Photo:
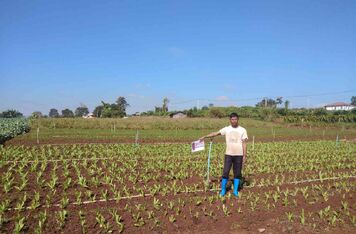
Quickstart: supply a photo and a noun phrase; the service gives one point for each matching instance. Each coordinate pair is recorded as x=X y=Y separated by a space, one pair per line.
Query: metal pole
x=38 y=131
x=207 y=180
x=337 y=140
x=136 y=138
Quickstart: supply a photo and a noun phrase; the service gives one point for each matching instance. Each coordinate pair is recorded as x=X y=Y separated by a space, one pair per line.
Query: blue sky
x=63 y=53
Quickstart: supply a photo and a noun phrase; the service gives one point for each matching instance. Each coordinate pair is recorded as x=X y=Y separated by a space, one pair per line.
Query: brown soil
x=271 y=219
x=205 y=217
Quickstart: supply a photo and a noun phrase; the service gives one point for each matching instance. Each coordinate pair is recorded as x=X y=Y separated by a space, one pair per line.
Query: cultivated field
x=158 y=130
x=292 y=184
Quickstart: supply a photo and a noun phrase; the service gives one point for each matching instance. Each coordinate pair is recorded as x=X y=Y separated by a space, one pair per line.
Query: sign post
x=197 y=146
x=208 y=172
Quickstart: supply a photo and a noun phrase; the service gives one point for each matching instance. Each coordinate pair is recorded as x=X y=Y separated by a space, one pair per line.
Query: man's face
x=234 y=121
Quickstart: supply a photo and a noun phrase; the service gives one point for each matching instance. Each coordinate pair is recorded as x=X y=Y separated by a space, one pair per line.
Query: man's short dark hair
x=234 y=115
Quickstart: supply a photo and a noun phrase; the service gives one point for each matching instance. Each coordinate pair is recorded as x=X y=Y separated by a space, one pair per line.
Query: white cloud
x=175 y=51
x=222 y=98
x=229 y=87
x=134 y=95
x=142 y=85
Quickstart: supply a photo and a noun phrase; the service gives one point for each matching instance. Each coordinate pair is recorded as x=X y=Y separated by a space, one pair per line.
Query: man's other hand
x=244 y=158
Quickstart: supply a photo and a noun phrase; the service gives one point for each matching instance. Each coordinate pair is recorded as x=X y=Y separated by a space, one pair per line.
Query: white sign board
x=198 y=146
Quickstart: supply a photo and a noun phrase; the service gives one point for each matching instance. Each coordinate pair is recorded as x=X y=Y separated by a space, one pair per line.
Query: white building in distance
x=339 y=106
x=89 y=116
x=178 y=115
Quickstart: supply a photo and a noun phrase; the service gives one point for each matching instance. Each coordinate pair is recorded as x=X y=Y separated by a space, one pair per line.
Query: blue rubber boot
x=223 y=187
x=236 y=187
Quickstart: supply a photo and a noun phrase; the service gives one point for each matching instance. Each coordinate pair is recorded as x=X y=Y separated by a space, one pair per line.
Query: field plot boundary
x=145 y=142
x=196 y=191
x=101 y=158
x=57 y=160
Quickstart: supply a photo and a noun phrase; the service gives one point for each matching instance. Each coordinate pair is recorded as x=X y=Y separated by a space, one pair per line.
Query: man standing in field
x=236 y=151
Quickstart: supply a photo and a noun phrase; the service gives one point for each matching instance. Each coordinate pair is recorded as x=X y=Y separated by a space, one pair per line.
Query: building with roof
x=178 y=115
x=339 y=106
x=89 y=116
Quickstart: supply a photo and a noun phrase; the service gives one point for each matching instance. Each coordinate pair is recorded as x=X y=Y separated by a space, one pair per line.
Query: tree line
x=266 y=109
x=104 y=110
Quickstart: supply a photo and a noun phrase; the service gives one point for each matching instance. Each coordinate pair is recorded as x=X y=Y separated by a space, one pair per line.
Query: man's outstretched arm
x=211 y=135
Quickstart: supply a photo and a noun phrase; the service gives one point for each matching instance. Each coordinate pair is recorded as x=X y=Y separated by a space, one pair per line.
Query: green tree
x=279 y=100
x=286 y=104
x=67 y=113
x=267 y=102
x=11 y=114
x=98 y=111
x=165 y=105
x=158 y=109
x=107 y=110
x=216 y=113
x=121 y=106
x=36 y=115
x=113 y=110
x=353 y=100
x=53 y=113
x=81 y=111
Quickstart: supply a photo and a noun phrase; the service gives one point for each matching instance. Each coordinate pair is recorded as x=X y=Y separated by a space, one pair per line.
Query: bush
x=216 y=113
x=11 y=127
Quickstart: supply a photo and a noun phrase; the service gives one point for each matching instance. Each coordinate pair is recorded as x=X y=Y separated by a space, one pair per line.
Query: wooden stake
x=38 y=131
x=136 y=138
